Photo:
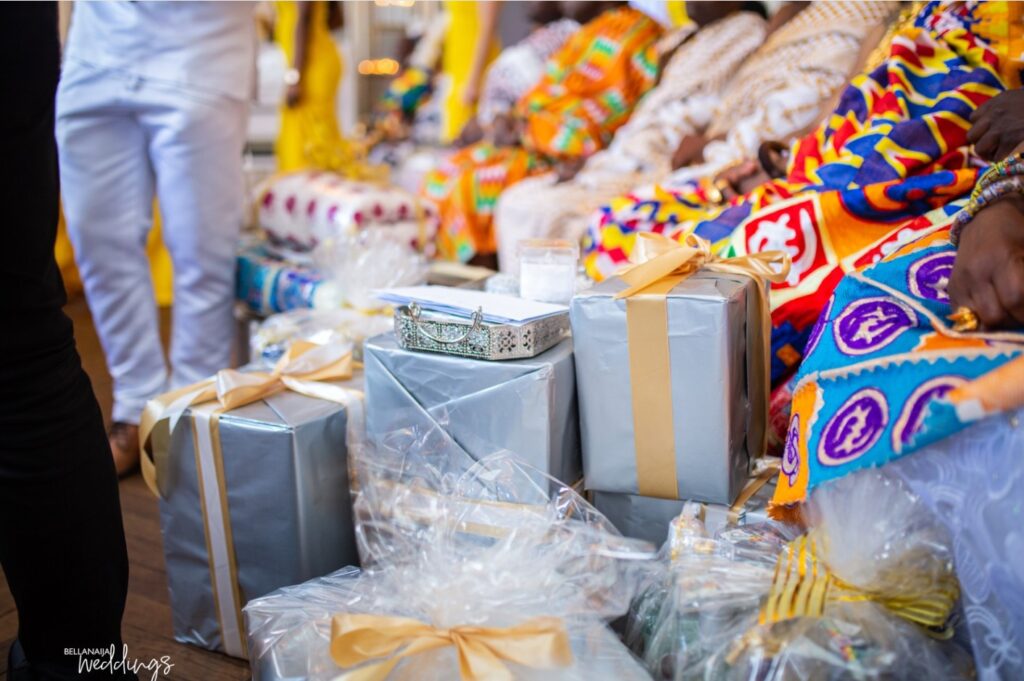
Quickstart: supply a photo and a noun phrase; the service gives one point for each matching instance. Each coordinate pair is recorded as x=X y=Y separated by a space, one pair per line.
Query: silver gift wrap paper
x=708 y=315
x=286 y=476
x=478 y=407
x=648 y=518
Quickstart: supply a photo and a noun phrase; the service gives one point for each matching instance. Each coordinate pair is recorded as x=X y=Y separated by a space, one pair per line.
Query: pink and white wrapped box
x=302 y=209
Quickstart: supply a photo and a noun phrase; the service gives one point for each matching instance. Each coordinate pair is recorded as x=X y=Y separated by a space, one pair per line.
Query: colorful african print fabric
x=407 y=92
x=681 y=104
x=517 y=68
x=590 y=88
x=885 y=374
x=705 y=90
x=866 y=181
x=591 y=85
x=466 y=198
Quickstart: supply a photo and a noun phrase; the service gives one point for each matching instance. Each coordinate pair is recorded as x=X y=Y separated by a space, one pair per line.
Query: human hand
x=689 y=151
x=471 y=93
x=997 y=126
x=471 y=133
x=293 y=95
x=774 y=158
x=988 y=275
x=740 y=179
x=568 y=169
x=505 y=131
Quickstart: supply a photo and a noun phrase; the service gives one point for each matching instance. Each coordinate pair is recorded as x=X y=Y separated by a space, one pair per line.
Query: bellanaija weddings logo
x=92 y=660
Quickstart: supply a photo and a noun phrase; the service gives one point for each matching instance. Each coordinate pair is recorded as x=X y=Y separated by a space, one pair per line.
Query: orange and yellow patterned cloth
x=589 y=89
x=884 y=373
x=865 y=182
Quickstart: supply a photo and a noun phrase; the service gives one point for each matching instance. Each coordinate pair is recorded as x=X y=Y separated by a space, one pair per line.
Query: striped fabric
x=590 y=88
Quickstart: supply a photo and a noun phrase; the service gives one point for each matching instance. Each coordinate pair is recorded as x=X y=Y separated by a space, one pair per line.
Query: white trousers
x=122 y=140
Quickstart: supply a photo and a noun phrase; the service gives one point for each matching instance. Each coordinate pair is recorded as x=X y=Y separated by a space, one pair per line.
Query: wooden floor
x=147 y=617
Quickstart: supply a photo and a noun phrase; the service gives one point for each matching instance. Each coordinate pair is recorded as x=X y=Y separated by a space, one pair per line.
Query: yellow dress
x=457 y=62
x=309 y=131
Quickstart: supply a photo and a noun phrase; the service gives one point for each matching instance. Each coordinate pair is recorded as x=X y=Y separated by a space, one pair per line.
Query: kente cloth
x=517 y=68
x=866 y=181
x=885 y=374
x=590 y=86
x=706 y=90
x=680 y=104
x=407 y=92
x=466 y=201
x=796 y=74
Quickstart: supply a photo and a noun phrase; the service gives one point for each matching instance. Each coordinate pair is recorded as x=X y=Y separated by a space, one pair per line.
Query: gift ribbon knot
x=305 y=368
x=540 y=643
x=803 y=585
x=658 y=264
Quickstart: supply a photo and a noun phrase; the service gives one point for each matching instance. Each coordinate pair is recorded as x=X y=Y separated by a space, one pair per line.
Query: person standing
x=62 y=545
x=153 y=99
x=310 y=136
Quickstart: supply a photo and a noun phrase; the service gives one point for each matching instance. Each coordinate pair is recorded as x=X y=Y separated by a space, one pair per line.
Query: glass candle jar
x=547 y=270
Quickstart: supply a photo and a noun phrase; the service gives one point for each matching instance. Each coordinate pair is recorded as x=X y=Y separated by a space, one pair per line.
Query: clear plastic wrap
x=459 y=545
x=272 y=337
x=732 y=607
x=359 y=263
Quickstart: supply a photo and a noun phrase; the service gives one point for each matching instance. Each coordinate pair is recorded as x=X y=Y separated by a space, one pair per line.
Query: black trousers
x=62 y=546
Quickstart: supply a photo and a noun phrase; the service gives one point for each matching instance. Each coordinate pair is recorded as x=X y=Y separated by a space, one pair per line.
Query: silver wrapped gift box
x=281 y=471
x=691 y=419
x=648 y=518
x=477 y=407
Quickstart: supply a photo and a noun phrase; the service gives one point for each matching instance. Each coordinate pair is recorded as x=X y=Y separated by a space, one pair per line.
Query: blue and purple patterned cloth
x=880 y=366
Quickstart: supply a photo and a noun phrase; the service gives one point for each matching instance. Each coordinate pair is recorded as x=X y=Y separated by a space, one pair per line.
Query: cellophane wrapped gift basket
x=470 y=570
x=271 y=338
x=867 y=592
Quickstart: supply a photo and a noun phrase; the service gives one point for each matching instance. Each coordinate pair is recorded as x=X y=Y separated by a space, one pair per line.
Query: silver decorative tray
x=474 y=337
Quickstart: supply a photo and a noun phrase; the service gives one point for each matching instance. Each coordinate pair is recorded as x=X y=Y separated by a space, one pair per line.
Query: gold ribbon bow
x=304 y=369
x=803 y=585
x=540 y=643
x=658 y=264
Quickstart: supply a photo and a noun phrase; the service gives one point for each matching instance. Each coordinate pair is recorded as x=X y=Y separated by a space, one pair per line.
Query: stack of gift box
x=448 y=466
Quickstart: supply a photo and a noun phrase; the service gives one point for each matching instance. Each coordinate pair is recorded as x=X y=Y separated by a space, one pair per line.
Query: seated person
x=705 y=90
x=918 y=346
x=514 y=72
x=864 y=183
x=409 y=110
x=588 y=89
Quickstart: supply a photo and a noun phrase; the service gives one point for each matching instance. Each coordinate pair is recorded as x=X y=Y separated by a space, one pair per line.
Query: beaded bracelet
x=1008 y=167
x=985 y=196
x=999 y=180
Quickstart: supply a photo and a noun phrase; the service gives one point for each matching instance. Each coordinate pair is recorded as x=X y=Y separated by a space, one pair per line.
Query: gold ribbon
x=658 y=265
x=803 y=585
x=304 y=369
x=540 y=643
x=770 y=472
